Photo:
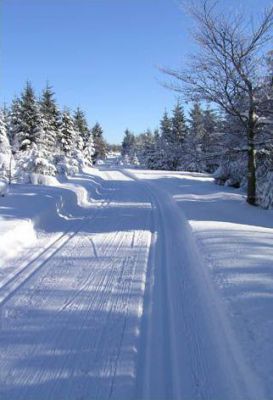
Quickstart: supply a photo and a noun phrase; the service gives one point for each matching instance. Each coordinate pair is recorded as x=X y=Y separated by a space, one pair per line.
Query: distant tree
x=128 y=143
x=117 y=148
x=5 y=148
x=99 y=142
x=195 y=138
x=89 y=150
x=51 y=118
x=173 y=134
x=212 y=141
x=166 y=128
x=14 y=121
x=81 y=124
x=147 y=150
x=67 y=133
x=179 y=134
x=166 y=138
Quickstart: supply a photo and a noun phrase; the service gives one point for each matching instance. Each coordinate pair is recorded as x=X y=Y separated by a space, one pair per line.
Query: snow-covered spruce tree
x=26 y=129
x=159 y=153
x=147 y=151
x=67 y=134
x=29 y=120
x=81 y=125
x=177 y=140
x=14 y=121
x=212 y=139
x=6 y=158
x=89 y=150
x=34 y=165
x=128 y=144
x=166 y=134
x=99 y=142
x=66 y=163
x=195 y=139
x=51 y=119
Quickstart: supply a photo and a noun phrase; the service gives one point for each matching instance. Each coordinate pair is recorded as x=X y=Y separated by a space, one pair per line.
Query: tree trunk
x=251 y=167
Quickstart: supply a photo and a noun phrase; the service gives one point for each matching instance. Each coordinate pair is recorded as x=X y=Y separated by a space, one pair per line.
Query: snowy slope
x=134 y=298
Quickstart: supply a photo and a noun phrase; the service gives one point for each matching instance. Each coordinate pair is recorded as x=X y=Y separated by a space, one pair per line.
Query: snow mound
x=15 y=235
x=3 y=188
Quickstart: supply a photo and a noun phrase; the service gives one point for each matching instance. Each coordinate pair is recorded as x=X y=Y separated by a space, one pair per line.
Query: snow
x=15 y=235
x=135 y=284
x=235 y=243
x=3 y=188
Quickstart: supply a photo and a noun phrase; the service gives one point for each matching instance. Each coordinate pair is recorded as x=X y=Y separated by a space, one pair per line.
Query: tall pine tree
x=82 y=125
x=5 y=148
x=29 y=121
x=99 y=142
x=51 y=118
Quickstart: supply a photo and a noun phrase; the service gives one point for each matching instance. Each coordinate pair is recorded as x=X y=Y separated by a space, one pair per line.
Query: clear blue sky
x=100 y=55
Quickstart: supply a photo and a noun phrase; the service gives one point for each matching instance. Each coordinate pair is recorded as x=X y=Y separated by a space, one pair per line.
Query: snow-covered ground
x=135 y=284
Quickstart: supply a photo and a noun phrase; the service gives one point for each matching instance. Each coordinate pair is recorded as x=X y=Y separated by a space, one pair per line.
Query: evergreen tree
x=173 y=134
x=179 y=133
x=5 y=148
x=212 y=140
x=82 y=125
x=29 y=122
x=159 y=159
x=195 y=138
x=89 y=150
x=166 y=128
x=14 y=121
x=179 y=128
x=99 y=142
x=166 y=135
x=147 y=154
x=50 y=118
x=128 y=143
x=67 y=134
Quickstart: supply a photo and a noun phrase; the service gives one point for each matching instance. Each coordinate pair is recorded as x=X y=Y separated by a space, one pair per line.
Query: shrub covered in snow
x=66 y=165
x=231 y=173
x=34 y=160
x=265 y=190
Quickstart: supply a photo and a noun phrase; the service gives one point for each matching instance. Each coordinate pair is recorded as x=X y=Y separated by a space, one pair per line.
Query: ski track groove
x=90 y=326
x=22 y=274
x=112 y=279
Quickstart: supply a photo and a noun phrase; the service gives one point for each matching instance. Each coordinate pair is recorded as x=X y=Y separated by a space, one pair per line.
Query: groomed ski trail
x=124 y=310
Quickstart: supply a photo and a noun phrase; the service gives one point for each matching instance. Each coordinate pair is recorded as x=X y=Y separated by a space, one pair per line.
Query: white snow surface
x=135 y=284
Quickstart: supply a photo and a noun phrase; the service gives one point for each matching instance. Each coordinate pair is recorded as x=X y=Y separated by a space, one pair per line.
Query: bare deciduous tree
x=227 y=71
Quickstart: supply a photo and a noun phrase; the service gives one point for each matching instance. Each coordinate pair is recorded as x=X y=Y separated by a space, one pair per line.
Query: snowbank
x=15 y=235
x=3 y=188
x=34 y=215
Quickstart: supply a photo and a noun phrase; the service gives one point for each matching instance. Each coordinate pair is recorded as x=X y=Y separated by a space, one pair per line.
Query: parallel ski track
x=167 y=352
x=14 y=282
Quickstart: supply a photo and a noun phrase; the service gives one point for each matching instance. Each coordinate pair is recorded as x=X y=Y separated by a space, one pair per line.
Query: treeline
x=38 y=139
x=179 y=143
x=231 y=68
x=207 y=141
